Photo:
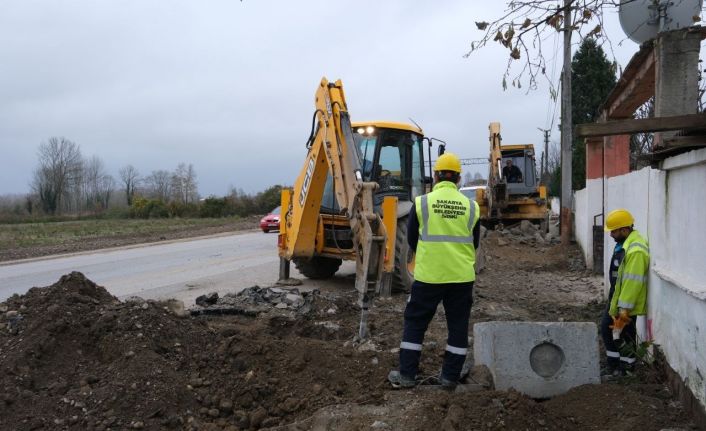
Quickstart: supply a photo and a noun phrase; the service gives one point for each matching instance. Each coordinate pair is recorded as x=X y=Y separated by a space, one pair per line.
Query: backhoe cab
x=352 y=198
x=392 y=157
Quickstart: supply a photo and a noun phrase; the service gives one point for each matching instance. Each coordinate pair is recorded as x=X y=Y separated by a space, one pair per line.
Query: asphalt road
x=183 y=269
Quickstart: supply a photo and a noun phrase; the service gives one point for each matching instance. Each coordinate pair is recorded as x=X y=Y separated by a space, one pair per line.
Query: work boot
x=399 y=381
x=449 y=385
x=627 y=369
x=609 y=373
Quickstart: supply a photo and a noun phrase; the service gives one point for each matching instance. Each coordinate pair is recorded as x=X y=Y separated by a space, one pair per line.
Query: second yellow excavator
x=514 y=192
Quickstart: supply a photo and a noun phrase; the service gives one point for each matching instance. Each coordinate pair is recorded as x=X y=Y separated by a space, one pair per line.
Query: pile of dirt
x=77 y=357
x=74 y=357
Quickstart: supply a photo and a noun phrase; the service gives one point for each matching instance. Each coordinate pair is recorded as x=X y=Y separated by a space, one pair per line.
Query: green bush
x=268 y=200
x=178 y=209
x=214 y=207
x=148 y=208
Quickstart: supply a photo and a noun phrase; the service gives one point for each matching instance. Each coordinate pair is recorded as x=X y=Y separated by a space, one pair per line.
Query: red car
x=270 y=221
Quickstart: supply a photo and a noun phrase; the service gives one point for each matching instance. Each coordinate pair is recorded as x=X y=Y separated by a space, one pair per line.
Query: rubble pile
x=527 y=233
x=255 y=300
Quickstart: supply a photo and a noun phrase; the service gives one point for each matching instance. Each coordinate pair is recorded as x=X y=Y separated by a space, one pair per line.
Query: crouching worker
x=444 y=231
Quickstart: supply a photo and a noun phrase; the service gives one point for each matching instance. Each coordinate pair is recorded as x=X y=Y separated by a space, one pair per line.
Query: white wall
x=587 y=203
x=555 y=206
x=669 y=206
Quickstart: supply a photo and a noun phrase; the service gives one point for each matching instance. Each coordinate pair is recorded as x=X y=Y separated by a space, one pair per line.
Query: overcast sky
x=229 y=85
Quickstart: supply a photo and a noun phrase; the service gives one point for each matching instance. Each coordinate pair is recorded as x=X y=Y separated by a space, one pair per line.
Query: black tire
x=402 y=278
x=318 y=267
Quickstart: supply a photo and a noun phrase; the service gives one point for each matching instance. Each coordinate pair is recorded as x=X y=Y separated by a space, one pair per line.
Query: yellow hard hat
x=448 y=162
x=617 y=219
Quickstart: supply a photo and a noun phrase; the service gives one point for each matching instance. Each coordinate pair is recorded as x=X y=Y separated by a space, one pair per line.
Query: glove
x=620 y=322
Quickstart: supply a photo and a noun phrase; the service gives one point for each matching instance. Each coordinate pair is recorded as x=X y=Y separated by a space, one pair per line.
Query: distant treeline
x=20 y=208
x=66 y=186
x=235 y=204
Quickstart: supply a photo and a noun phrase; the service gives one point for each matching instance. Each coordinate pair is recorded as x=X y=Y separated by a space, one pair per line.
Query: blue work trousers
x=421 y=307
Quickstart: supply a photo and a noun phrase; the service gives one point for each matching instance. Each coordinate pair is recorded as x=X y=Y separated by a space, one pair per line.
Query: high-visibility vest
x=445 y=251
x=631 y=285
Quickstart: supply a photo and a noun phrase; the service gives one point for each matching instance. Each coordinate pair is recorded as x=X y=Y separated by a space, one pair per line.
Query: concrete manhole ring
x=546 y=359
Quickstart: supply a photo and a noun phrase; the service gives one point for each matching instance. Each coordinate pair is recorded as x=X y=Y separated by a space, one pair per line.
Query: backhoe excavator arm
x=332 y=149
x=497 y=186
x=496 y=169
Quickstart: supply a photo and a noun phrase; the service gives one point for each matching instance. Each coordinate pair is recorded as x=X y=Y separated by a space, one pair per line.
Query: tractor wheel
x=317 y=267
x=403 y=275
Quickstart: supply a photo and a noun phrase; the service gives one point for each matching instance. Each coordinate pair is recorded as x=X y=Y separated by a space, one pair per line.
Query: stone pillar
x=676 y=75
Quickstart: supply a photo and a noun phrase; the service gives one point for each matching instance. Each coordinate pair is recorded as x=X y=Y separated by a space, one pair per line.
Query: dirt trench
x=74 y=357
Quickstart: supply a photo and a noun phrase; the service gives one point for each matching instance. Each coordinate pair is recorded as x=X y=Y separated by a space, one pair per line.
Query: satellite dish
x=642 y=20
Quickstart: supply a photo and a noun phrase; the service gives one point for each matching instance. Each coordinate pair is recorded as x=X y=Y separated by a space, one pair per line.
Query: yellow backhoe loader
x=352 y=198
x=513 y=193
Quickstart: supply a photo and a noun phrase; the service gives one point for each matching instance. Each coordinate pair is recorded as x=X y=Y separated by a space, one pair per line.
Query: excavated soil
x=74 y=357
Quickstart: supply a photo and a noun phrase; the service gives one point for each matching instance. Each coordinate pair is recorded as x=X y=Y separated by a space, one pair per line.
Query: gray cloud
x=229 y=86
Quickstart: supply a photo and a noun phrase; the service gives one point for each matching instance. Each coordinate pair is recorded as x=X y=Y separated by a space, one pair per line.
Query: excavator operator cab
x=520 y=172
x=394 y=153
x=391 y=155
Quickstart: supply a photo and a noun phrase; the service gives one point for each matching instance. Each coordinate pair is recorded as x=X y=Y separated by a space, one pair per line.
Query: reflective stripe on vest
x=637 y=244
x=635 y=277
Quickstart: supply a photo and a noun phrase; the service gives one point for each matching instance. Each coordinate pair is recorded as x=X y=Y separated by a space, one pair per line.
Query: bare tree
x=131 y=179
x=59 y=168
x=73 y=200
x=184 y=186
x=158 y=185
x=641 y=143
x=554 y=157
x=524 y=30
x=98 y=185
x=92 y=171
x=106 y=186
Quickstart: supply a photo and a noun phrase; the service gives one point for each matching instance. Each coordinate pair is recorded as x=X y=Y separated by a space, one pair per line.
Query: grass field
x=20 y=235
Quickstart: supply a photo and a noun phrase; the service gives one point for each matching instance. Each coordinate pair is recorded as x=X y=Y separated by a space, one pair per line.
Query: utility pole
x=566 y=129
x=545 y=155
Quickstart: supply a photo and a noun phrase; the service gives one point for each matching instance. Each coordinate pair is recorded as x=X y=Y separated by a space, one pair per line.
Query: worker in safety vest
x=627 y=298
x=443 y=230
